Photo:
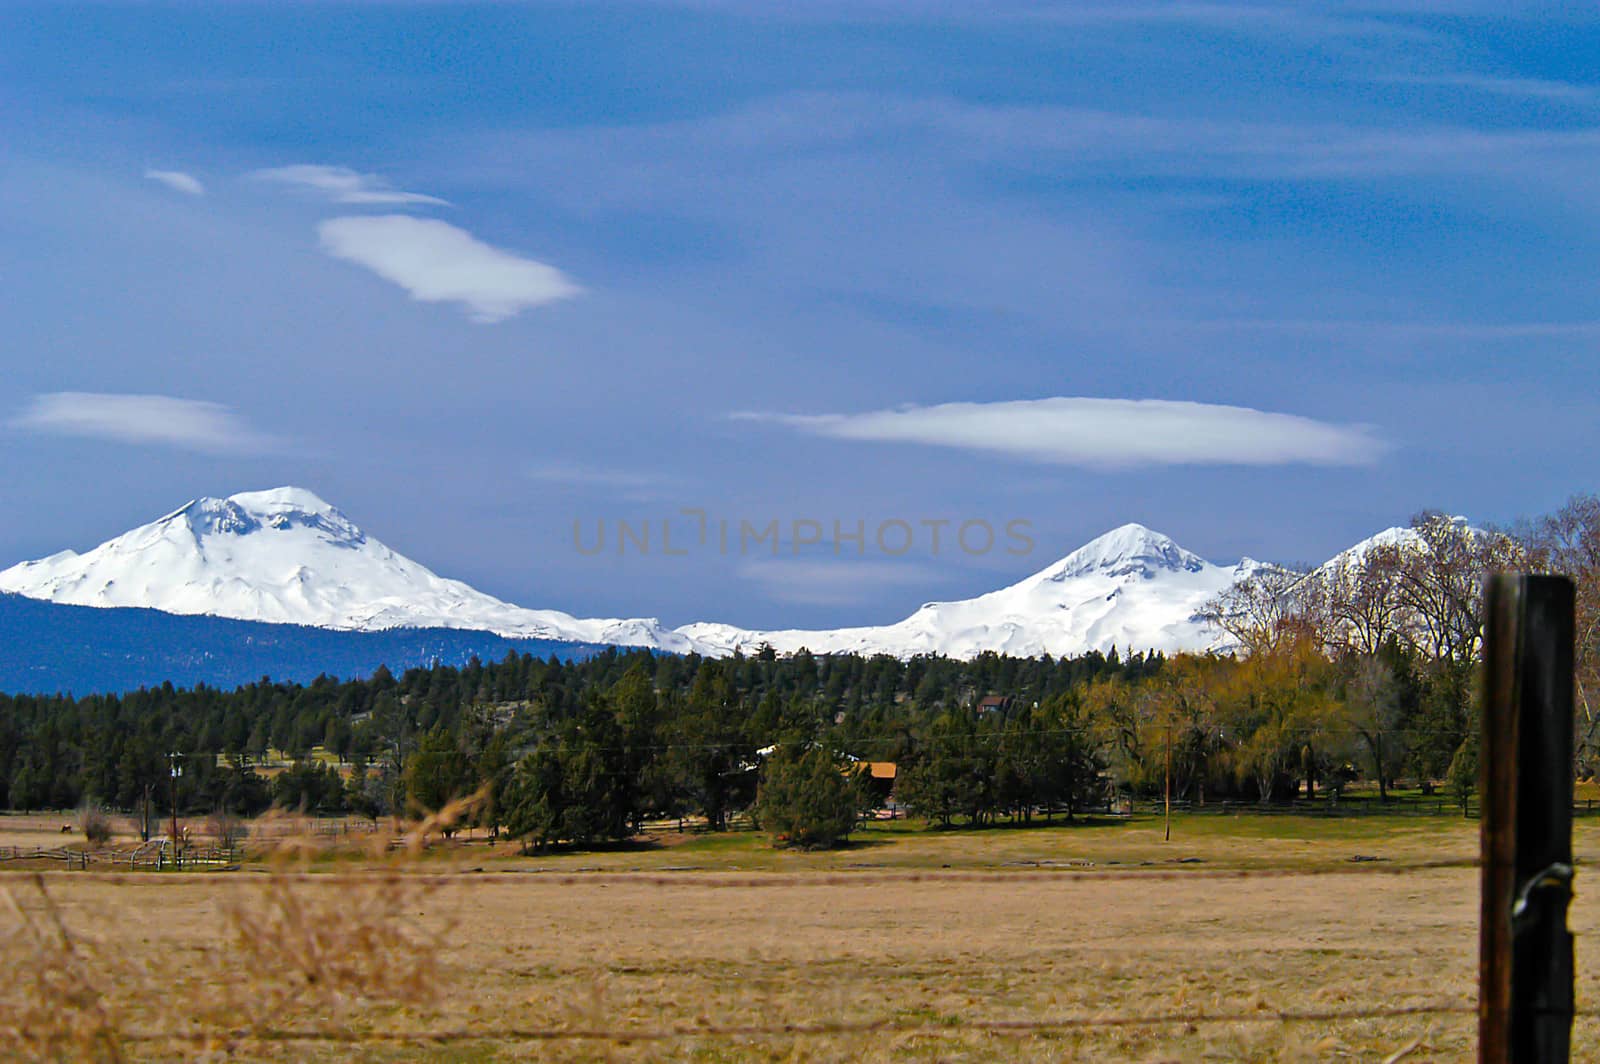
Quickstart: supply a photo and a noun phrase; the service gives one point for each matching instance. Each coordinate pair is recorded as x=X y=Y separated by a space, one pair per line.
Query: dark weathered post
x=1525 y=956
x=1167 y=817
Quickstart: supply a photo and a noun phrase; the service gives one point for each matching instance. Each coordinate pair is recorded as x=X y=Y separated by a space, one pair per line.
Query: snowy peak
x=1130 y=549
x=1397 y=537
x=278 y=509
x=1130 y=588
x=286 y=556
x=1400 y=538
x=283 y=500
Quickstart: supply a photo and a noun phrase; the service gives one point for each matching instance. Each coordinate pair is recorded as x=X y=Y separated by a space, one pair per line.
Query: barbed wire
x=802 y=1030
x=858 y=875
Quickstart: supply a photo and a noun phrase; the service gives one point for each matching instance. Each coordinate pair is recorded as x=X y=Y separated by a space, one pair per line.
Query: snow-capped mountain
x=1339 y=574
x=1398 y=537
x=285 y=556
x=1130 y=588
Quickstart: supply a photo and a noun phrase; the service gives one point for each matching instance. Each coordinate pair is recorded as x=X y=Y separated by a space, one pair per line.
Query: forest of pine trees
x=580 y=752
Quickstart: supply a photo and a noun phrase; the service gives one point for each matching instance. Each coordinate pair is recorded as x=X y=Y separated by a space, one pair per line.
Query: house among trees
x=879 y=777
x=993 y=704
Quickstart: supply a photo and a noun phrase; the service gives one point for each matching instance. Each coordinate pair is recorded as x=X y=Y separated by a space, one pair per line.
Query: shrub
x=227 y=829
x=1463 y=773
x=95 y=824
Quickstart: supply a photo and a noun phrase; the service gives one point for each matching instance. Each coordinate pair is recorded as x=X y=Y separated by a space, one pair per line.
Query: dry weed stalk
x=308 y=945
x=311 y=950
x=56 y=1006
x=295 y=956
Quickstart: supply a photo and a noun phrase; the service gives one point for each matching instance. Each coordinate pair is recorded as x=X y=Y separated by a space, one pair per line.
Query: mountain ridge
x=286 y=556
x=1129 y=587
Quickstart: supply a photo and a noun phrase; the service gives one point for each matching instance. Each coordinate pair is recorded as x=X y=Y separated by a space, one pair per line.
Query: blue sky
x=1265 y=278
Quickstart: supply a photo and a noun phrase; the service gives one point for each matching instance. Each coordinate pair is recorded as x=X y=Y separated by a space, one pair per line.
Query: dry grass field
x=1249 y=938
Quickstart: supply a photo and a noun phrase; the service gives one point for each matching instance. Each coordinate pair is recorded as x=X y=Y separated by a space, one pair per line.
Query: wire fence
x=802 y=1030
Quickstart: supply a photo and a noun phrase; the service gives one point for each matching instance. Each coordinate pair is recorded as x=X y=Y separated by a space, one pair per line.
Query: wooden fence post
x=1525 y=961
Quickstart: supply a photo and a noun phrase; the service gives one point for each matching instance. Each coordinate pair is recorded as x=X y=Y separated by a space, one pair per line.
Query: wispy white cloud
x=178 y=181
x=1520 y=88
x=842 y=582
x=1105 y=433
x=1160 y=144
x=191 y=424
x=634 y=485
x=344 y=185
x=438 y=263
x=1455 y=331
x=1281 y=20
x=1278 y=20
x=665 y=161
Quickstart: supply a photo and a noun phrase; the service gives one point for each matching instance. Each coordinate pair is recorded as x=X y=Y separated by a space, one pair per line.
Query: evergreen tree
x=809 y=797
x=437 y=774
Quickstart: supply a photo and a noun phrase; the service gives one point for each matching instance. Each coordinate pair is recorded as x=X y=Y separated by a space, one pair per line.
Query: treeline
x=571 y=751
x=586 y=751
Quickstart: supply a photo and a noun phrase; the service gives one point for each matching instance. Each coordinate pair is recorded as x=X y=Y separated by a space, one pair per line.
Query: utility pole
x=174 y=770
x=1525 y=961
x=1168 y=817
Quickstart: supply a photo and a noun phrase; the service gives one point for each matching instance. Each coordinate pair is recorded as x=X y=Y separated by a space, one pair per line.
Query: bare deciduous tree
x=1568 y=542
x=1352 y=604
x=1260 y=612
x=1374 y=712
x=1439 y=584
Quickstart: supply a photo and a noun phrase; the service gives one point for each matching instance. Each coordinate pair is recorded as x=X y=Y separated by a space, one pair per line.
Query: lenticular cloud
x=193 y=424
x=1106 y=433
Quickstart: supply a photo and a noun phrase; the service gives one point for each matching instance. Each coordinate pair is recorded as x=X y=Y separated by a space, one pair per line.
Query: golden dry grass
x=532 y=959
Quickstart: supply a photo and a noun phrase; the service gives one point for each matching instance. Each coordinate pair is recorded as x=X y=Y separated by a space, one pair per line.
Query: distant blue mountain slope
x=46 y=648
